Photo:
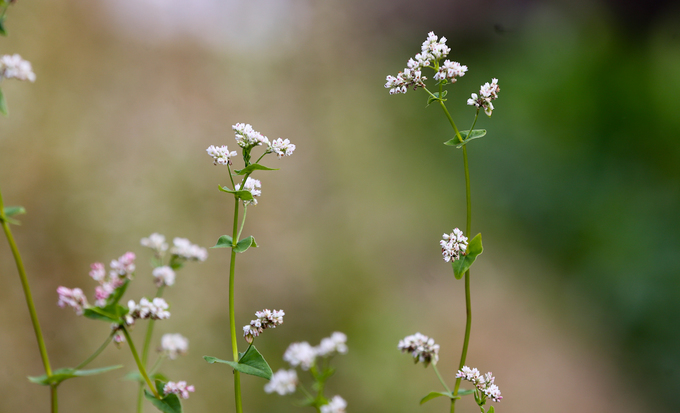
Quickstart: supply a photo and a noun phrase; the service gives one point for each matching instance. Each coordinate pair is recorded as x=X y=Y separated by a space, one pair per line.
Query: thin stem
x=233 y=185
x=29 y=298
x=243 y=223
x=97 y=352
x=232 y=316
x=54 y=402
x=261 y=156
x=156 y=364
x=140 y=366
x=145 y=354
x=439 y=376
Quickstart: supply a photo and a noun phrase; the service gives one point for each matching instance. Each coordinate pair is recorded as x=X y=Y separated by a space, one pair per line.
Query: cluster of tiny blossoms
x=432 y=51
x=163 y=275
x=183 y=248
x=484 y=383
x=14 y=67
x=180 y=388
x=304 y=355
x=221 y=154
x=251 y=186
x=265 y=319
x=173 y=345
x=156 y=242
x=336 y=405
x=421 y=347
x=154 y=310
x=282 y=382
x=453 y=245
x=487 y=93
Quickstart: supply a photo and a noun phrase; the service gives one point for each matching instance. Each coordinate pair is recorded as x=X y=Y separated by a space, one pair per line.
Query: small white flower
x=300 y=354
x=265 y=319
x=282 y=382
x=183 y=248
x=73 y=298
x=180 y=388
x=174 y=345
x=163 y=276
x=156 y=242
x=487 y=93
x=421 y=347
x=281 y=148
x=13 y=66
x=435 y=47
x=336 y=405
x=336 y=343
x=247 y=137
x=155 y=310
x=453 y=245
x=251 y=186
x=450 y=70
x=484 y=383
x=221 y=154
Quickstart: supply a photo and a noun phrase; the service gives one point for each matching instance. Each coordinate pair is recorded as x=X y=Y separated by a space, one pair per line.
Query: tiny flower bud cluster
x=450 y=71
x=14 y=67
x=118 y=336
x=180 y=388
x=282 y=382
x=155 y=310
x=247 y=137
x=265 y=319
x=123 y=266
x=221 y=154
x=174 y=345
x=453 y=245
x=421 y=347
x=487 y=93
x=336 y=405
x=484 y=383
x=74 y=298
x=163 y=276
x=156 y=242
x=251 y=186
x=304 y=355
x=183 y=248
x=281 y=148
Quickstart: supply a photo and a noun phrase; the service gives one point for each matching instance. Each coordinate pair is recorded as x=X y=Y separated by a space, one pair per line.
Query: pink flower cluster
x=180 y=388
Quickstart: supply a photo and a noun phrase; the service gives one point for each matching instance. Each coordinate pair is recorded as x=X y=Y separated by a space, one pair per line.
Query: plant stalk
x=140 y=366
x=232 y=316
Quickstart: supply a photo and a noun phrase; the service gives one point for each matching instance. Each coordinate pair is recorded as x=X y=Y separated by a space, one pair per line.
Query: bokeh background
x=576 y=189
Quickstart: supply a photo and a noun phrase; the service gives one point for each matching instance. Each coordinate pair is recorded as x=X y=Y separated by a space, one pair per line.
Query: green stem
x=232 y=316
x=145 y=354
x=54 y=402
x=441 y=380
x=97 y=352
x=29 y=301
x=140 y=366
x=243 y=223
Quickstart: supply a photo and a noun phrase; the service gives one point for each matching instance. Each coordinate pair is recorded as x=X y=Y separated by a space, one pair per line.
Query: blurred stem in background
x=29 y=303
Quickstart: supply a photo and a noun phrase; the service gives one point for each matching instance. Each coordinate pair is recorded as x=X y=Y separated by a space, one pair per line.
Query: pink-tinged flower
x=336 y=405
x=98 y=272
x=174 y=345
x=163 y=276
x=180 y=388
x=124 y=266
x=282 y=382
x=484 y=383
x=73 y=298
x=453 y=245
x=265 y=319
x=118 y=336
x=421 y=347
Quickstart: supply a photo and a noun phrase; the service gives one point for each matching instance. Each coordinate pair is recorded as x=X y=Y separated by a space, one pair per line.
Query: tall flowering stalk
x=456 y=246
x=245 y=192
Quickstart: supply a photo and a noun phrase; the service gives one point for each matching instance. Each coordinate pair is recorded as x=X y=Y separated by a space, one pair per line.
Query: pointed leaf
x=462 y=392
x=251 y=362
x=2 y=26
x=436 y=97
x=243 y=194
x=3 y=104
x=112 y=301
x=225 y=241
x=252 y=167
x=244 y=244
x=168 y=404
x=461 y=265
x=436 y=394
x=60 y=375
x=491 y=409
x=14 y=210
x=110 y=314
x=476 y=134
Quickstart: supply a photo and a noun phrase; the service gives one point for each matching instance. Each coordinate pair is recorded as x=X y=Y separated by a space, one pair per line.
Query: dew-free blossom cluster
x=180 y=388
x=304 y=354
x=453 y=245
x=74 y=298
x=265 y=319
x=221 y=154
x=174 y=345
x=421 y=347
x=157 y=309
x=336 y=405
x=14 y=67
x=163 y=275
x=484 y=383
x=183 y=248
x=487 y=93
x=156 y=242
x=251 y=186
x=281 y=147
x=282 y=382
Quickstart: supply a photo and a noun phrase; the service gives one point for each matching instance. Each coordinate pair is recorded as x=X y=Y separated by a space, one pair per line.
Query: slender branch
x=232 y=316
x=140 y=366
x=439 y=376
x=97 y=352
x=243 y=223
x=145 y=354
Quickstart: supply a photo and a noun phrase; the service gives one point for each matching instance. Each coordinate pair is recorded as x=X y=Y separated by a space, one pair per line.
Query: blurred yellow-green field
x=576 y=190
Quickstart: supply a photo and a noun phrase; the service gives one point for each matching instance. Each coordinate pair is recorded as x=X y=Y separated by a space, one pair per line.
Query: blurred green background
x=576 y=189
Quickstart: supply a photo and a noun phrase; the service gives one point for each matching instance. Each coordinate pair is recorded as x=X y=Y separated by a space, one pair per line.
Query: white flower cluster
x=183 y=248
x=281 y=147
x=487 y=93
x=265 y=319
x=453 y=245
x=432 y=49
x=484 y=383
x=180 y=388
x=251 y=186
x=336 y=405
x=174 y=345
x=221 y=154
x=74 y=298
x=156 y=242
x=14 y=67
x=163 y=276
x=247 y=137
x=155 y=310
x=304 y=355
x=421 y=347
x=282 y=382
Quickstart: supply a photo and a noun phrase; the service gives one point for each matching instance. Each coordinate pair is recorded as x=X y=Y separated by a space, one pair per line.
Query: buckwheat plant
x=246 y=193
x=455 y=246
x=315 y=360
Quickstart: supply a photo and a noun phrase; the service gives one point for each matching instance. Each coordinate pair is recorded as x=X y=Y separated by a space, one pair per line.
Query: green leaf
x=2 y=26
x=243 y=194
x=436 y=97
x=436 y=394
x=461 y=265
x=14 y=210
x=3 y=104
x=491 y=409
x=245 y=243
x=135 y=376
x=114 y=298
x=252 y=167
x=465 y=392
x=111 y=314
x=225 y=241
x=475 y=134
x=251 y=362
x=168 y=404
x=60 y=375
